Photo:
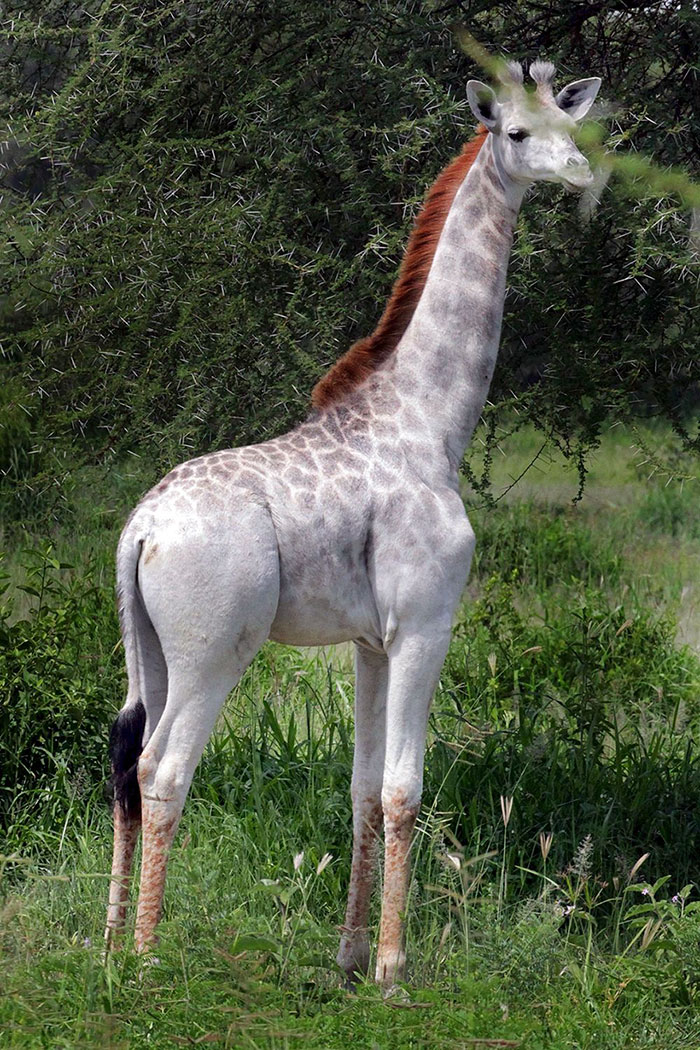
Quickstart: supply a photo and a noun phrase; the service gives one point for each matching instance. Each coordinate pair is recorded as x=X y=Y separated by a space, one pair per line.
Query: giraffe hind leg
x=125 y=747
x=130 y=732
x=196 y=695
x=212 y=600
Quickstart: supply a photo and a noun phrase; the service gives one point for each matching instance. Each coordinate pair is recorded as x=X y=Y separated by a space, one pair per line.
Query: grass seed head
x=546 y=843
x=637 y=865
x=324 y=862
x=582 y=863
x=506 y=808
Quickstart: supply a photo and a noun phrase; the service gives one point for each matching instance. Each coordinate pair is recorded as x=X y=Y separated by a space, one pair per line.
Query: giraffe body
x=350 y=527
x=332 y=542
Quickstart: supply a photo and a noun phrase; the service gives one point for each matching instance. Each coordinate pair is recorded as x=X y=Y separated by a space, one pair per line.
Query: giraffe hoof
x=353 y=958
x=398 y=995
x=148 y=962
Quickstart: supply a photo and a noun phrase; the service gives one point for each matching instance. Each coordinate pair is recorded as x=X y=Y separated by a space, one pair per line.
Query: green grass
x=641 y=503
x=569 y=687
x=245 y=957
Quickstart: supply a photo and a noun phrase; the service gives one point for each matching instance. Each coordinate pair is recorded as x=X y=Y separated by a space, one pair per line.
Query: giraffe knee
x=401 y=806
x=366 y=791
x=163 y=781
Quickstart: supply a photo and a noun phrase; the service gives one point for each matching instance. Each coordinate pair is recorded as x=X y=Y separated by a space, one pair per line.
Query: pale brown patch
x=158 y=835
x=367 y=354
x=150 y=553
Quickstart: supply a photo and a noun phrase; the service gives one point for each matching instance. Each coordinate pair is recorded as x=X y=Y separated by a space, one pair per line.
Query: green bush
x=61 y=679
x=15 y=429
x=542 y=546
x=585 y=713
x=16 y=462
x=192 y=239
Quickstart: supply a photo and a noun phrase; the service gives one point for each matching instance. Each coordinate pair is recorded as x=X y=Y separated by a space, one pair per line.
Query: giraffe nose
x=576 y=173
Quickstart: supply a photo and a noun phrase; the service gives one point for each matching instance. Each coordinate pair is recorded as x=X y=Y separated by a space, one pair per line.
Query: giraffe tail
x=125 y=746
x=127 y=733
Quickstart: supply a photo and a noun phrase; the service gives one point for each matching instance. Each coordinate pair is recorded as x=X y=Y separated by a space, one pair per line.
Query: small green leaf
x=254 y=942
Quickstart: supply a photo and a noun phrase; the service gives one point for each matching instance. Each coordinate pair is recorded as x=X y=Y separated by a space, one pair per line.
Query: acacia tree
x=205 y=204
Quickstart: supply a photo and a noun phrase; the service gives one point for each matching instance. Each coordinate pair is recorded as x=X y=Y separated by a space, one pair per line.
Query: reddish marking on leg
x=126 y=833
x=158 y=833
x=399 y=822
x=353 y=955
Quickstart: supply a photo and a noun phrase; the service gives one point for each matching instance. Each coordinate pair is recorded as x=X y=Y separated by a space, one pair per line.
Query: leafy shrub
x=60 y=679
x=579 y=714
x=15 y=432
x=192 y=242
x=15 y=446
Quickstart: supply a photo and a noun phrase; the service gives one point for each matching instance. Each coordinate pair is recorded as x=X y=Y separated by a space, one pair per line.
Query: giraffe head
x=532 y=129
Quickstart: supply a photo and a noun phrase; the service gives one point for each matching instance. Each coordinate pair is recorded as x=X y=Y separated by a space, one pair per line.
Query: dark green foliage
x=60 y=678
x=206 y=203
x=582 y=714
x=16 y=465
x=223 y=185
x=15 y=433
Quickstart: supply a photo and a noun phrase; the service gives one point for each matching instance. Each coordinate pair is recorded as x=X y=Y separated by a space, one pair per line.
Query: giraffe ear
x=577 y=98
x=483 y=103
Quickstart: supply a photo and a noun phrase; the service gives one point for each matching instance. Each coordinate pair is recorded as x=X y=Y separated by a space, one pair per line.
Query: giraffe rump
x=368 y=354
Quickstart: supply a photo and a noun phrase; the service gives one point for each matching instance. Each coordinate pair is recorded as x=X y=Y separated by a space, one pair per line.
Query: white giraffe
x=350 y=527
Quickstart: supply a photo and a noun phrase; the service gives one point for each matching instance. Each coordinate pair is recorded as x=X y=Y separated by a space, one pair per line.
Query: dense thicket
x=205 y=203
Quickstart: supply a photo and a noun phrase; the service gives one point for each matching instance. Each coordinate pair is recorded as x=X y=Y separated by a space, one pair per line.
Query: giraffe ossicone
x=350 y=527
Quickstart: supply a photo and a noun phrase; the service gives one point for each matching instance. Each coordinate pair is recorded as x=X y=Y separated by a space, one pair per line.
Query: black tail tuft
x=125 y=746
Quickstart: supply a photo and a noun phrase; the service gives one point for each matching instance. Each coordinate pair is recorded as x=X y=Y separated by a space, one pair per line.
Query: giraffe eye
x=519 y=135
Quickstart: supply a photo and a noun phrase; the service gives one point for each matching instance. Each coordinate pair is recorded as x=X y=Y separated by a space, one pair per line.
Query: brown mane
x=368 y=353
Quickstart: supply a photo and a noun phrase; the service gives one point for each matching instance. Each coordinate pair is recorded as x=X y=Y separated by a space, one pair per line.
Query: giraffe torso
x=357 y=516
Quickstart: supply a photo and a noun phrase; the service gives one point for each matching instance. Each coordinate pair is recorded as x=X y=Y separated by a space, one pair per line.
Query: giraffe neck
x=443 y=365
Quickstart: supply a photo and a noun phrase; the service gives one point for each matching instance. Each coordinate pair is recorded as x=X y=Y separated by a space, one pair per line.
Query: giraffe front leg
x=371 y=671
x=415 y=661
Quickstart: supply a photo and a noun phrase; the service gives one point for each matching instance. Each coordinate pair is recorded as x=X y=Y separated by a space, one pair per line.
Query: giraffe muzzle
x=577 y=174
x=577 y=179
